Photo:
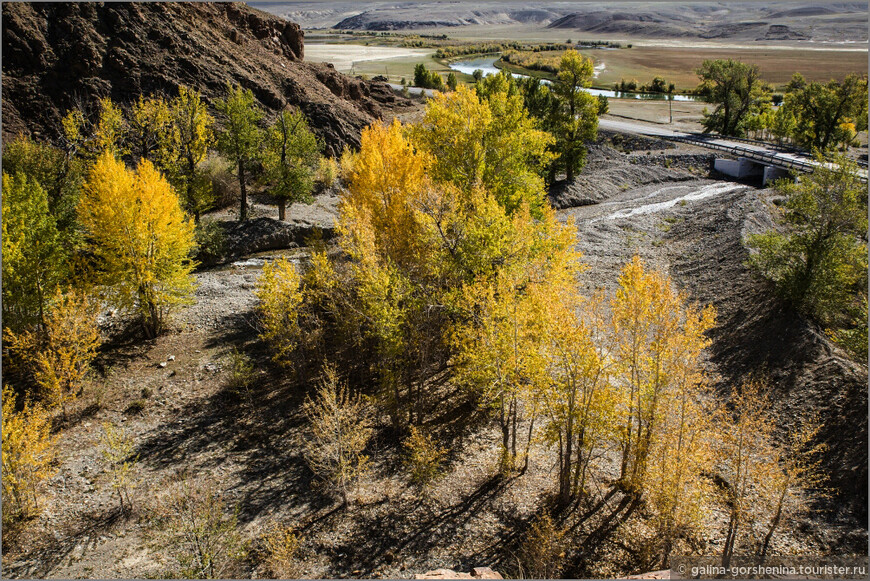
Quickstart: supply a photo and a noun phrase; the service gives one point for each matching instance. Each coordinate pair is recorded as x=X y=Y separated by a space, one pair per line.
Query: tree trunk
x=282 y=208
x=773 y=524
x=728 y=550
x=243 y=213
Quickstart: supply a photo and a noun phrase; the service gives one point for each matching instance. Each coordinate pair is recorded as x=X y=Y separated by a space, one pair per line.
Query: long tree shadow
x=49 y=555
x=407 y=528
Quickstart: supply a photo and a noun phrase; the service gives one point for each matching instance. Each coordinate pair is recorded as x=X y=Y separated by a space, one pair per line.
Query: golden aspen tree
x=61 y=351
x=797 y=472
x=278 y=289
x=675 y=486
x=658 y=343
x=339 y=431
x=490 y=143
x=28 y=455
x=140 y=237
x=86 y=136
x=746 y=453
x=59 y=176
x=496 y=344
x=578 y=398
x=111 y=130
x=150 y=128
x=395 y=263
x=497 y=355
x=423 y=457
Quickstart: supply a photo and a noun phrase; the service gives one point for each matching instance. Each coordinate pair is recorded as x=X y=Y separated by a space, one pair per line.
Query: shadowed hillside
x=57 y=56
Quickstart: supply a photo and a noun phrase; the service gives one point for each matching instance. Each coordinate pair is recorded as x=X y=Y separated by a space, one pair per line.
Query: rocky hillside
x=59 y=55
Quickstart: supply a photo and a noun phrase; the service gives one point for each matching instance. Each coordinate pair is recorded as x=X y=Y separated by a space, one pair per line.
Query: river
x=487 y=65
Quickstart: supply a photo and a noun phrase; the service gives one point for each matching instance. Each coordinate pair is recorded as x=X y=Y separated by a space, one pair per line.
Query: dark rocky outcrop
x=58 y=55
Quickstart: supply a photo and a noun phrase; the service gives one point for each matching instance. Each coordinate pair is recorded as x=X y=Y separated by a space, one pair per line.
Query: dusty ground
x=666 y=207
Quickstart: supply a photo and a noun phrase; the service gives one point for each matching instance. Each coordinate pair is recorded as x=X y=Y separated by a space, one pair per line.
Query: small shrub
x=326 y=174
x=28 y=454
x=241 y=369
x=345 y=164
x=424 y=458
x=135 y=407
x=542 y=550
x=224 y=185
x=281 y=545
x=202 y=538
x=340 y=429
x=211 y=242
x=118 y=447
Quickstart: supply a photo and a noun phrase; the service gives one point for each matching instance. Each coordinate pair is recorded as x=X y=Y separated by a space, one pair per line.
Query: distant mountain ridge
x=58 y=55
x=744 y=21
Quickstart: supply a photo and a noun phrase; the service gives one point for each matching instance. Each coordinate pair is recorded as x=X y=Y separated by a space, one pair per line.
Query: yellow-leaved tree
x=518 y=263
x=140 y=238
x=659 y=339
x=578 y=398
x=59 y=354
x=150 y=128
x=490 y=143
x=28 y=455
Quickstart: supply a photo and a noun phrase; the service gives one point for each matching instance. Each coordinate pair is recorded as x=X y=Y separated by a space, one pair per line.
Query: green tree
x=190 y=137
x=830 y=114
x=451 y=81
x=576 y=118
x=34 y=256
x=241 y=138
x=819 y=261
x=59 y=175
x=736 y=89
x=427 y=79
x=290 y=159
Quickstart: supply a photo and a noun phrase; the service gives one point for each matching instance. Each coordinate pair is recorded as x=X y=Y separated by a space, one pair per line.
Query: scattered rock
x=476 y=573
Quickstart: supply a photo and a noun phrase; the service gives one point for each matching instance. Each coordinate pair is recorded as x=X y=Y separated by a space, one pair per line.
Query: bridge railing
x=755 y=155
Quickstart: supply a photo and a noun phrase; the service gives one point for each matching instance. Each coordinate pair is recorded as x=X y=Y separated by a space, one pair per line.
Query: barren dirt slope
x=56 y=56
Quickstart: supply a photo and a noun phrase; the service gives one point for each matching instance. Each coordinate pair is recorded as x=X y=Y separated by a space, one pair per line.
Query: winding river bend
x=487 y=65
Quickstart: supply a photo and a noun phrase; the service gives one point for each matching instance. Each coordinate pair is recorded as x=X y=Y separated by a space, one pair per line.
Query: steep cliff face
x=59 y=55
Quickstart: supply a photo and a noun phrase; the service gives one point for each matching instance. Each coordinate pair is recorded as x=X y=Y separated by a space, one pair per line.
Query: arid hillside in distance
x=819 y=22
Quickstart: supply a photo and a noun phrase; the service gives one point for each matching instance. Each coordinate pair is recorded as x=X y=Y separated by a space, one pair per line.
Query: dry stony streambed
x=657 y=202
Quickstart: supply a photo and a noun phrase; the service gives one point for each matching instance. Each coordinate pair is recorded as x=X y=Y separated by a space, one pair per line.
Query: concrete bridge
x=754 y=158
